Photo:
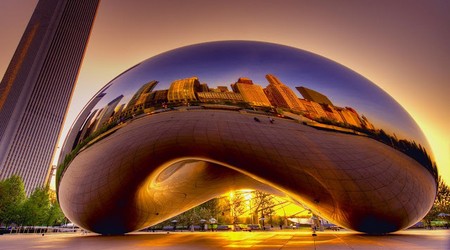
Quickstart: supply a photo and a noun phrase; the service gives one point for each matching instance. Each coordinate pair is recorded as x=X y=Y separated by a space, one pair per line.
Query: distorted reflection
x=275 y=99
x=356 y=136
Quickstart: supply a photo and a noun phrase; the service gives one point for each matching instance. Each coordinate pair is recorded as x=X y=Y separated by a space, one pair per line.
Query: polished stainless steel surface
x=190 y=124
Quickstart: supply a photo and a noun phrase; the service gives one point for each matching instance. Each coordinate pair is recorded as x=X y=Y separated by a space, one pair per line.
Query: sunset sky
x=401 y=46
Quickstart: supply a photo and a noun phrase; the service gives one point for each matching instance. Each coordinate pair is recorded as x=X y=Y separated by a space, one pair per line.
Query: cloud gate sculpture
x=190 y=124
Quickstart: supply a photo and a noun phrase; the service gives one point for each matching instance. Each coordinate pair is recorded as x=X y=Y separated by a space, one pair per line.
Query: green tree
x=194 y=215
x=443 y=196
x=12 y=195
x=188 y=218
x=36 y=209
x=209 y=209
x=55 y=214
x=441 y=203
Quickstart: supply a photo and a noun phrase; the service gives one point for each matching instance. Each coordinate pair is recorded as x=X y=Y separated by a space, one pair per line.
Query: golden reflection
x=185 y=126
x=247 y=200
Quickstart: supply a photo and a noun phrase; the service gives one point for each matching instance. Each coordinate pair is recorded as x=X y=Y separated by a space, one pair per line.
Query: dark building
x=312 y=95
x=204 y=87
x=38 y=84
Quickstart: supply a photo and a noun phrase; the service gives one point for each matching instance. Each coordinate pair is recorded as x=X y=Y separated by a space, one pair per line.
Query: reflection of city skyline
x=244 y=92
x=276 y=98
x=214 y=65
x=141 y=126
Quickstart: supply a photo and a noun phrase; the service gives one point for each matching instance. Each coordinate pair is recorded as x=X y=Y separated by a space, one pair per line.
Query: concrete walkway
x=286 y=239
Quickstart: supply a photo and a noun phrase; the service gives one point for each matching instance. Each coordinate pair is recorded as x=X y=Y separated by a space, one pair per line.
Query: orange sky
x=402 y=46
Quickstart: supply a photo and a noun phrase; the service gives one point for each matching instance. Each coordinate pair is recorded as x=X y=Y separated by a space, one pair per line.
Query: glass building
x=37 y=86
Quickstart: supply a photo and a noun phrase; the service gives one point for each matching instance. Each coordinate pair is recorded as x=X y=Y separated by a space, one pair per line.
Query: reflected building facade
x=107 y=112
x=281 y=95
x=37 y=86
x=84 y=118
x=350 y=116
x=151 y=146
x=251 y=93
x=219 y=97
x=313 y=109
x=184 y=90
x=142 y=98
x=314 y=96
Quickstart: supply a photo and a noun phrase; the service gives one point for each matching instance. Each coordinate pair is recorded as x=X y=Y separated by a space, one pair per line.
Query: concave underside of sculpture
x=190 y=124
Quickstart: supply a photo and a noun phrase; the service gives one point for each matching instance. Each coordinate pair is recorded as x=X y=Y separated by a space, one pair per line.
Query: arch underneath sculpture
x=161 y=165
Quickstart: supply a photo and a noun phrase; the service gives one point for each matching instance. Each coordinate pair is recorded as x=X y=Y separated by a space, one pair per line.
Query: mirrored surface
x=272 y=85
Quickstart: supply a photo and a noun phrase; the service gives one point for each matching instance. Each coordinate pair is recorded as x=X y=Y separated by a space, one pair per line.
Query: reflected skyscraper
x=140 y=97
x=36 y=88
x=314 y=96
x=281 y=95
x=107 y=112
x=251 y=93
x=84 y=121
x=184 y=90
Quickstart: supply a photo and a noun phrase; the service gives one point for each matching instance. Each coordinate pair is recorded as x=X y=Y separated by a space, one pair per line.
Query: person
x=271 y=120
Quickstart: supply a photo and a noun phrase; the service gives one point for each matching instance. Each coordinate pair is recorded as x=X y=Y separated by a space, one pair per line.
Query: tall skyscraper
x=314 y=96
x=37 y=86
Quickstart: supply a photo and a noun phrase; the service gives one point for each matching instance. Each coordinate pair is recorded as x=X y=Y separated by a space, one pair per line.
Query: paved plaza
x=286 y=239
